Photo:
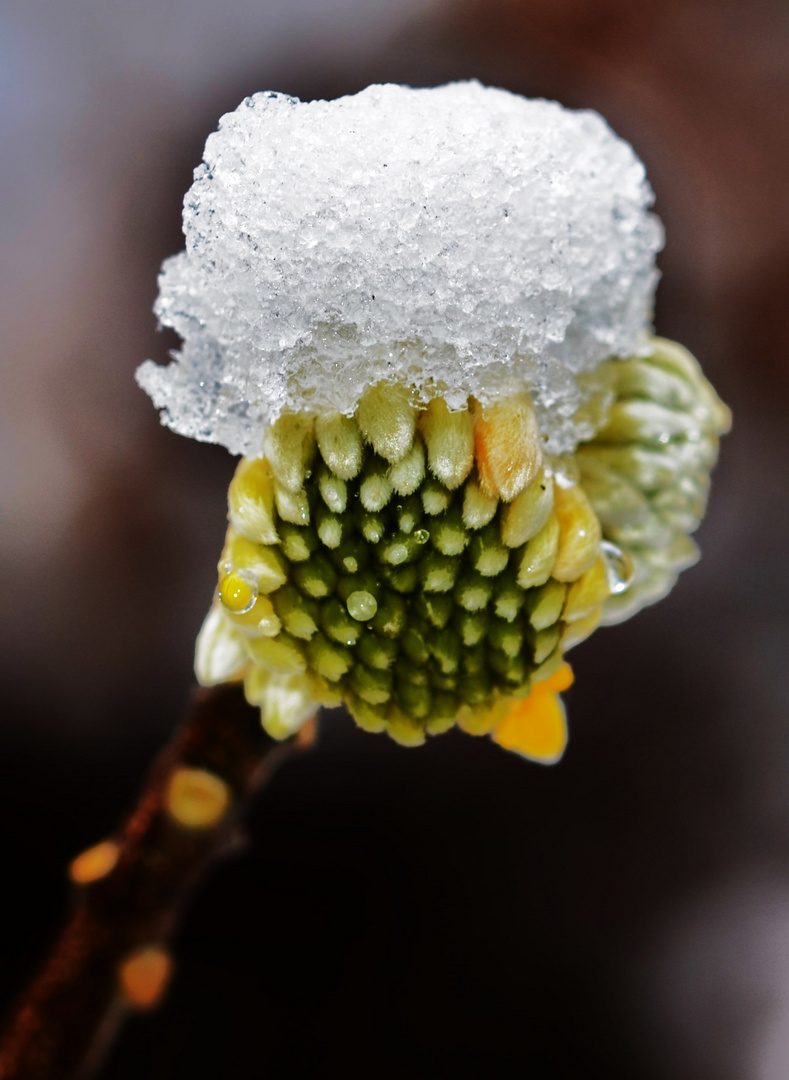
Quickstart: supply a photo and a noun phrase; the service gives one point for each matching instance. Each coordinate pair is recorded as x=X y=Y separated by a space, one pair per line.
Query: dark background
x=450 y=911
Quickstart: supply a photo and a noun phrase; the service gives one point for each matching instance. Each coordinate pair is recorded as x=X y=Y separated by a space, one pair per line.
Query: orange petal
x=508 y=446
x=554 y=684
x=535 y=727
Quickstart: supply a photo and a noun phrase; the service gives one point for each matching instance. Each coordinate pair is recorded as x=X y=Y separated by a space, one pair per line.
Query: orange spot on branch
x=95 y=863
x=144 y=976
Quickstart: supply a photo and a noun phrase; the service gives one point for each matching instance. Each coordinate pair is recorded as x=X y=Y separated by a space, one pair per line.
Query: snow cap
x=462 y=240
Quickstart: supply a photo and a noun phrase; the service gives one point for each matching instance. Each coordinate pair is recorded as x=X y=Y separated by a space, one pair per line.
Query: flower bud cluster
x=412 y=561
x=411 y=310
x=425 y=567
x=647 y=471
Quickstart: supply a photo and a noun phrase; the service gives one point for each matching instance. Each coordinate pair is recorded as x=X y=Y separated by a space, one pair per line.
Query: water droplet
x=396 y=554
x=619 y=567
x=421 y=536
x=238 y=592
x=361 y=605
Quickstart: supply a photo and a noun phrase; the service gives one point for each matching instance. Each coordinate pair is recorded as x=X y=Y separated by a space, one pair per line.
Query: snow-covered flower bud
x=423 y=316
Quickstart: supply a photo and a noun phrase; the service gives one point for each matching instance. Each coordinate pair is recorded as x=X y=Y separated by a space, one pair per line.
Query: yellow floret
x=579 y=533
x=508 y=446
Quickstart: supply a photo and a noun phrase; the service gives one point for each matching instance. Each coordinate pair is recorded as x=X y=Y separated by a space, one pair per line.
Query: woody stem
x=66 y=1020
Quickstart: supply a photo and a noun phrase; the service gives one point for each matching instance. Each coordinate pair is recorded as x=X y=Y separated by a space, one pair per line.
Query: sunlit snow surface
x=461 y=239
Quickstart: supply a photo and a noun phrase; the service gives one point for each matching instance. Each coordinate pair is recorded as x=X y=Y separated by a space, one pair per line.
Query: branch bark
x=111 y=955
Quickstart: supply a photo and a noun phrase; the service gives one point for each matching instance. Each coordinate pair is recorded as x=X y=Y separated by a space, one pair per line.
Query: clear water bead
x=238 y=592
x=361 y=605
x=619 y=568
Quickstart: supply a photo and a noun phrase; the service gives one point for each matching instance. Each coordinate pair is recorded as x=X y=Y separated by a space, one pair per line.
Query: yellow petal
x=539 y=555
x=280 y=654
x=404 y=730
x=266 y=564
x=587 y=593
x=528 y=512
x=408 y=473
x=219 y=653
x=535 y=727
x=251 y=501
x=481 y=719
x=286 y=701
x=260 y=621
x=387 y=419
x=449 y=437
x=289 y=444
x=292 y=506
x=508 y=446
x=557 y=682
x=580 y=533
x=340 y=444
x=575 y=633
x=479 y=508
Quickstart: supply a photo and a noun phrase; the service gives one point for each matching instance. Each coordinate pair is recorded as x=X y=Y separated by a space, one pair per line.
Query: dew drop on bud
x=421 y=536
x=361 y=606
x=238 y=592
x=619 y=567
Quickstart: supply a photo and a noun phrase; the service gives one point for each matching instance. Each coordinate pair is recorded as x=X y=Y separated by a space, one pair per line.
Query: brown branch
x=111 y=956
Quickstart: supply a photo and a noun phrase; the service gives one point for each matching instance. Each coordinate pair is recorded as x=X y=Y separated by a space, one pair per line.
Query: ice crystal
x=460 y=240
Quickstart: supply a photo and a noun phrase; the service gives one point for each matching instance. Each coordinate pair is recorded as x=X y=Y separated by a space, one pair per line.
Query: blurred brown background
x=453 y=911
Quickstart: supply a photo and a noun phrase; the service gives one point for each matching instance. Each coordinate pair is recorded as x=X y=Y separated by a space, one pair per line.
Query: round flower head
x=423 y=316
